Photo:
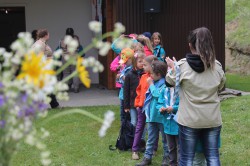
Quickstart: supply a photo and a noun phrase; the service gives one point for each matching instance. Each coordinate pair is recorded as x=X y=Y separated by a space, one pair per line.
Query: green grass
x=238 y=82
x=235 y=148
x=74 y=139
x=239 y=10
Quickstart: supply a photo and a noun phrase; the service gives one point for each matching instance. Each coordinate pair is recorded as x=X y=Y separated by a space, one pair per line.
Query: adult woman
x=41 y=43
x=200 y=77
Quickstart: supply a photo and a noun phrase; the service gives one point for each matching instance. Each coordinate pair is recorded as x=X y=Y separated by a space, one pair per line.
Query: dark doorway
x=12 y=21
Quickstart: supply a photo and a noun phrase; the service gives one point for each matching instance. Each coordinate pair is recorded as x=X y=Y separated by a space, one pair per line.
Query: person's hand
x=162 y=109
x=149 y=80
x=169 y=109
x=126 y=110
x=170 y=62
x=118 y=76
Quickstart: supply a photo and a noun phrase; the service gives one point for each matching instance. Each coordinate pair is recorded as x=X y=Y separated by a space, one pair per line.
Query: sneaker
x=135 y=156
x=144 y=162
x=165 y=161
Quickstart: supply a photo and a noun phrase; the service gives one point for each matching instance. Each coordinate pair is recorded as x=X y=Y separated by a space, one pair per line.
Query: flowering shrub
x=27 y=79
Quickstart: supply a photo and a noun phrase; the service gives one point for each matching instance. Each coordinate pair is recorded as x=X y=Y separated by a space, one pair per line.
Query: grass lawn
x=74 y=139
x=238 y=82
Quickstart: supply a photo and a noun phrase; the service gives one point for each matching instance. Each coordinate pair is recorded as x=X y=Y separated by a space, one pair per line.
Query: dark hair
x=159 y=67
x=34 y=34
x=202 y=41
x=41 y=33
x=70 y=32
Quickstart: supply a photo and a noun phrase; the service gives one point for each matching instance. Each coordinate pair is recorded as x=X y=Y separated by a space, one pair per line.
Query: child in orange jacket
x=139 y=102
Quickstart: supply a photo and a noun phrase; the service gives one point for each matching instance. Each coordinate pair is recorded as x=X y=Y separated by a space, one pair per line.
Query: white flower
x=109 y=117
x=105 y=49
x=66 y=57
x=45 y=161
x=30 y=139
x=16 y=60
x=17 y=134
x=45 y=154
x=57 y=54
x=119 y=28
x=95 y=69
x=21 y=35
x=40 y=145
x=62 y=96
x=67 y=39
x=99 y=44
x=16 y=45
x=72 y=46
x=91 y=61
x=95 y=26
x=7 y=55
x=2 y=50
x=100 y=68
x=45 y=133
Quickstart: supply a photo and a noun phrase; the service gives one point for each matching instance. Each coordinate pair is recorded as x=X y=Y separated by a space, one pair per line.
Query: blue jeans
x=133 y=116
x=153 y=132
x=188 y=138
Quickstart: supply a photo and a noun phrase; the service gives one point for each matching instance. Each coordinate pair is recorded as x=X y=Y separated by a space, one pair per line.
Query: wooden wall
x=176 y=19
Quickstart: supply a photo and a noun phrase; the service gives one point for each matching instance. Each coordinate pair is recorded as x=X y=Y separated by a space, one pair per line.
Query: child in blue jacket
x=169 y=109
x=154 y=118
x=159 y=51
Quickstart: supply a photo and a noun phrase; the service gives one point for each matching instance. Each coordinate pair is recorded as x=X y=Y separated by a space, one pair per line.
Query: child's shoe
x=135 y=156
x=144 y=162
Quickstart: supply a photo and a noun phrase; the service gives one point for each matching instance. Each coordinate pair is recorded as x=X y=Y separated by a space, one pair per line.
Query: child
x=199 y=157
x=115 y=45
x=153 y=117
x=139 y=101
x=169 y=107
x=137 y=47
x=130 y=84
x=115 y=66
x=126 y=55
x=148 y=49
x=159 y=51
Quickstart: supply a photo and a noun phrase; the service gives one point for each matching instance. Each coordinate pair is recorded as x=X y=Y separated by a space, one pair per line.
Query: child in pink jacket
x=116 y=67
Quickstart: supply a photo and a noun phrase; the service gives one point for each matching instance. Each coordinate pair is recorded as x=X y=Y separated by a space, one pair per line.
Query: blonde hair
x=202 y=41
x=156 y=34
x=137 y=47
x=145 y=41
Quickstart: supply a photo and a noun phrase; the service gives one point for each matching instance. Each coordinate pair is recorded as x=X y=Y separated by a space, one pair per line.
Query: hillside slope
x=238 y=36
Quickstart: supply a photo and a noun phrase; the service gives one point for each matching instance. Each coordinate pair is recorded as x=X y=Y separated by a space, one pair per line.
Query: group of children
x=147 y=98
x=143 y=94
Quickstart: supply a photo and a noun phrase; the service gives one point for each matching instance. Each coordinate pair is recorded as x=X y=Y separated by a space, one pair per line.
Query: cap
x=126 y=53
x=147 y=34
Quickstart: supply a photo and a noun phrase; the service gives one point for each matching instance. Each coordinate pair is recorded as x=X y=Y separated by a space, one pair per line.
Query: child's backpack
x=126 y=136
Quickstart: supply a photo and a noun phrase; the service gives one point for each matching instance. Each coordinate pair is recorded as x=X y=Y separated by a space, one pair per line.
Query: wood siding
x=176 y=19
